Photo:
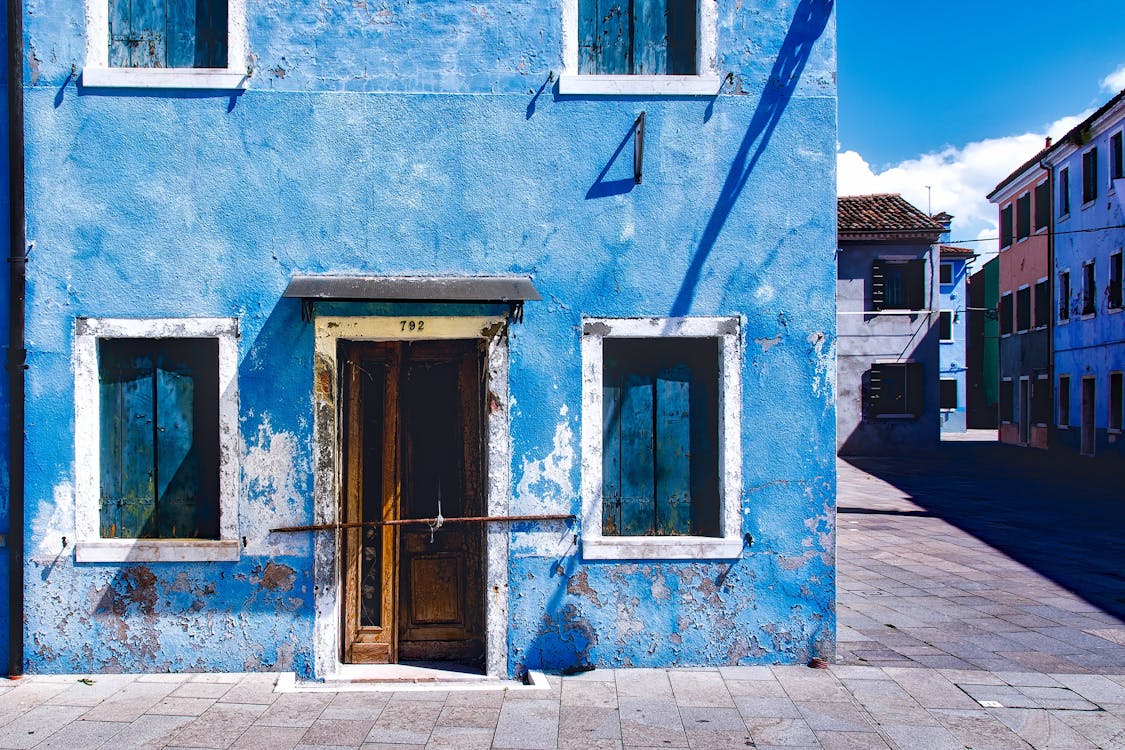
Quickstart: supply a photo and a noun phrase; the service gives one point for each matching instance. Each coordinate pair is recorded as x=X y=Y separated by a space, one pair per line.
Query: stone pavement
x=980 y=607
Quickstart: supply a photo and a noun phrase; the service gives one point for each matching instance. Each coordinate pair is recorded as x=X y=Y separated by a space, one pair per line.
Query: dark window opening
x=168 y=33
x=660 y=407
x=946 y=273
x=1023 y=309
x=1006 y=399
x=1042 y=303
x=1090 y=175
x=1064 y=401
x=1116 y=158
x=948 y=393
x=1115 y=400
x=159 y=416
x=895 y=389
x=1064 y=295
x=1006 y=313
x=1042 y=205
x=898 y=284
x=945 y=325
x=1041 y=401
x=1089 y=290
x=1006 y=226
x=1064 y=191
x=637 y=37
x=1023 y=216
x=1115 y=292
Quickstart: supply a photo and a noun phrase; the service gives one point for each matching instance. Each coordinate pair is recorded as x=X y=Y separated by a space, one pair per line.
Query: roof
x=883 y=213
x=442 y=288
x=1078 y=135
x=952 y=251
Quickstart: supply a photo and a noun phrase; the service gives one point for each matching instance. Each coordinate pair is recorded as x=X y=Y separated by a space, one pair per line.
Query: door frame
x=328 y=474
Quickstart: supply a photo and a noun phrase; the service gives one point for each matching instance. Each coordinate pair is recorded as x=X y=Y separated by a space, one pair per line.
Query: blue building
x=314 y=289
x=1087 y=170
x=953 y=335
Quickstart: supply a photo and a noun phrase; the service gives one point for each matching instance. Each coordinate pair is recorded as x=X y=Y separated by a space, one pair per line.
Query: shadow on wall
x=809 y=21
x=1059 y=516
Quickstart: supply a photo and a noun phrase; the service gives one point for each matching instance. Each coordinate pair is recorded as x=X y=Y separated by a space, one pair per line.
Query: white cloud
x=959 y=177
x=1115 y=81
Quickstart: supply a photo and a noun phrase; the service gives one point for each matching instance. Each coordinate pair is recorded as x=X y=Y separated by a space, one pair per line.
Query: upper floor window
x=1006 y=226
x=898 y=284
x=1023 y=216
x=1115 y=293
x=166 y=43
x=1042 y=303
x=1090 y=175
x=1064 y=191
x=1023 y=308
x=1042 y=205
x=1089 y=290
x=945 y=325
x=1064 y=295
x=1116 y=157
x=1005 y=313
x=946 y=273
x=895 y=390
x=639 y=47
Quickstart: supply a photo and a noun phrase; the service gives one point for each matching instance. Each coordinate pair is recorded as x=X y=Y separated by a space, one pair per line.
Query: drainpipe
x=1052 y=429
x=17 y=354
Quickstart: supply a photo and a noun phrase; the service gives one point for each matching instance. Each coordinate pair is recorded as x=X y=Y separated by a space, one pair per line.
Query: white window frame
x=1016 y=217
x=98 y=73
x=1109 y=309
x=946 y=409
x=1059 y=320
x=705 y=83
x=1094 y=314
x=1016 y=308
x=1000 y=306
x=1111 y=187
x=1040 y=325
x=1082 y=160
x=952 y=273
x=1064 y=193
x=89 y=545
x=952 y=319
x=727 y=546
x=1035 y=207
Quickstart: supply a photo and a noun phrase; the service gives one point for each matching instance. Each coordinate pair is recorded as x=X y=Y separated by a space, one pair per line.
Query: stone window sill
x=156 y=550
x=165 y=78
x=661 y=548
x=626 y=85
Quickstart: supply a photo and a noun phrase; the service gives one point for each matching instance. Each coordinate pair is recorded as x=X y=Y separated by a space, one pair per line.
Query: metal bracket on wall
x=515 y=312
x=308 y=310
x=638 y=147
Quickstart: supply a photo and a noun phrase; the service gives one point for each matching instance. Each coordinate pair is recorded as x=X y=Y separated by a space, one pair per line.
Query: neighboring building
x=982 y=355
x=1088 y=170
x=953 y=274
x=300 y=265
x=887 y=299
x=1023 y=199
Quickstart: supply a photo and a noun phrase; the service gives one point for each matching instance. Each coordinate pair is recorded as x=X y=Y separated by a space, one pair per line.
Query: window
x=1006 y=226
x=1115 y=291
x=1064 y=295
x=166 y=43
x=1064 y=401
x=1005 y=313
x=1023 y=309
x=1090 y=175
x=1089 y=290
x=1023 y=216
x=639 y=47
x=1042 y=303
x=1041 y=401
x=895 y=390
x=1116 y=157
x=1115 y=401
x=156 y=436
x=898 y=284
x=1042 y=205
x=948 y=394
x=661 y=425
x=946 y=273
x=1006 y=400
x=945 y=325
x=1064 y=191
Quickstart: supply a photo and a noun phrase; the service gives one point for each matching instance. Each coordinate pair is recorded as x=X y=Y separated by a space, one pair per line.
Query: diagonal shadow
x=809 y=21
x=603 y=188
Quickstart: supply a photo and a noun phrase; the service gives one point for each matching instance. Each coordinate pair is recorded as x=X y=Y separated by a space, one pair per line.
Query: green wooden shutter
x=177 y=466
x=650 y=37
x=637 y=456
x=168 y=33
x=128 y=500
x=588 y=39
x=673 y=451
x=137 y=33
x=682 y=22
x=611 y=460
x=878 y=284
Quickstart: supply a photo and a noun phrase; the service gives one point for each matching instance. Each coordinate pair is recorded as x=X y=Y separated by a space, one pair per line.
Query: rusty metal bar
x=425 y=521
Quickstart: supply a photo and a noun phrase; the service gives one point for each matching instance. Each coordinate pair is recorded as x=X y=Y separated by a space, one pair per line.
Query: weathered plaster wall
x=866 y=339
x=159 y=203
x=5 y=207
x=955 y=298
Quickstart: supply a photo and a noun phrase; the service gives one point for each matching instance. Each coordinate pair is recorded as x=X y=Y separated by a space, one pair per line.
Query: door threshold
x=350 y=678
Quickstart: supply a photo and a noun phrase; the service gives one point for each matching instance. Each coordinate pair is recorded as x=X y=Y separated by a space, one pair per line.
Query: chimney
x=1048 y=145
x=946 y=220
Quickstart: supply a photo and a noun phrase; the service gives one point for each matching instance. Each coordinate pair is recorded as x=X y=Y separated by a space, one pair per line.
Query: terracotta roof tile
x=951 y=251
x=886 y=212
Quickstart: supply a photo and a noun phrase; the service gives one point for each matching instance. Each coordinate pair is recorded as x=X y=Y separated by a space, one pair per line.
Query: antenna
x=929 y=200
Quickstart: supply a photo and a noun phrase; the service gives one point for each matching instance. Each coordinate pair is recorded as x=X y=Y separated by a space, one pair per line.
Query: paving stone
x=603 y=694
x=837 y=716
x=643 y=683
x=99 y=688
x=295 y=710
x=1041 y=729
x=460 y=738
x=528 y=725
x=930 y=688
x=405 y=723
x=590 y=722
x=83 y=734
x=922 y=737
x=650 y=721
x=201 y=689
x=852 y=741
x=781 y=732
x=361 y=706
x=780 y=707
x=253 y=688
x=1095 y=688
x=181 y=706
x=469 y=716
x=129 y=703
x=37 y=724
x=269 y=738
x=702 y=688
x=218 y=727
x=348 y=732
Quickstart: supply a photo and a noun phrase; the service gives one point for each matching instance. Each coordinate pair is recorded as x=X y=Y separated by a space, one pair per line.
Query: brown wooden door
x=414 y=450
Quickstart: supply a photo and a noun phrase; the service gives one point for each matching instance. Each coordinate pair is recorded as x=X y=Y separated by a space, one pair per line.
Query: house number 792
x=413 y=325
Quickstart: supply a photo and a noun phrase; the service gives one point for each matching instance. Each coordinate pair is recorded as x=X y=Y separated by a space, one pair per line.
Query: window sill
x=896 y=416
x=1113 y=310
x=1064 y=217
x=1088 y=316
x=625 y=85
x=1089 y=203
x=1063 y=426
x=661 y=548
x=948 y=341
x=165 y=78
x=156 y=550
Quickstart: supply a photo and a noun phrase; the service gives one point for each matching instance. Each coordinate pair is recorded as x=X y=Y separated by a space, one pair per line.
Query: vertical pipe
x=17 y=355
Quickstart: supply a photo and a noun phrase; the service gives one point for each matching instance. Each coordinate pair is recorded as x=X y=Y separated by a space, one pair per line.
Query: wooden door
x=414 y=450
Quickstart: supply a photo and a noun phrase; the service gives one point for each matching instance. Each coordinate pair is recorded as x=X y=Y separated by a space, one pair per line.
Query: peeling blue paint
x=407 y=138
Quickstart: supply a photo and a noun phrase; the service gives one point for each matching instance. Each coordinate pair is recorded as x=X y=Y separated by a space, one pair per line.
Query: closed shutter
x=128 y=497
x=878 y=284
x=168 y=33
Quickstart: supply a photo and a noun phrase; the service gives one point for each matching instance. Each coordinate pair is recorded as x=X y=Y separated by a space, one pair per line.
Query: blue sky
x=957 y=94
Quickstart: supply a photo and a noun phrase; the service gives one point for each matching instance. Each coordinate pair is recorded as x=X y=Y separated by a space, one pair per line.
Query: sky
x=958 y=94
